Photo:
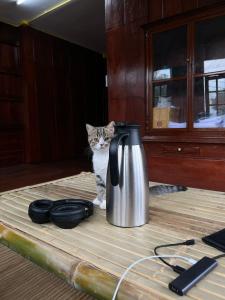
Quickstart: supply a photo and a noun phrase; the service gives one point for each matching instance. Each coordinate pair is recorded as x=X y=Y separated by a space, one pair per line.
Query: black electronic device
x=186 y=280
x=216 y=240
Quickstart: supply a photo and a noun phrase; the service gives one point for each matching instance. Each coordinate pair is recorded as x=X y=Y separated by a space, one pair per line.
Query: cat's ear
x=89 y=128
x=110 y=126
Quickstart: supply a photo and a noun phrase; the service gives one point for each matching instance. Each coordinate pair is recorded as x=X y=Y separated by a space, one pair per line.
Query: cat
x=99 y=139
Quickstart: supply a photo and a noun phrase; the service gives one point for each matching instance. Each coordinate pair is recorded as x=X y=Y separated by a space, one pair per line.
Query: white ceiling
x=79 y=21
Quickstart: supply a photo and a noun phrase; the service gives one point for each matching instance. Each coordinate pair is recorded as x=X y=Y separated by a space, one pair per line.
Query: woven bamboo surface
x=93 y=255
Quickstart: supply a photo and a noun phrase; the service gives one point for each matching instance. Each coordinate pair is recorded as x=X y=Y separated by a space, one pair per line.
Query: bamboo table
x=93 y=255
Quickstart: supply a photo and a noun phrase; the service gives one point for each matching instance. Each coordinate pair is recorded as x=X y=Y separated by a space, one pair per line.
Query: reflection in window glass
x=212 y=98
x=209 y=102
x=214 y=65
x=221 y=98
x=170 y=53
x=169 y=105
x=221 y=84
x=210 y=45
x=162 y=74
x=212 y=85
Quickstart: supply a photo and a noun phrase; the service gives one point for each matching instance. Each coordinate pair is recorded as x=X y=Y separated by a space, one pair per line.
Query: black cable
x=219 y=256
x=175 y=268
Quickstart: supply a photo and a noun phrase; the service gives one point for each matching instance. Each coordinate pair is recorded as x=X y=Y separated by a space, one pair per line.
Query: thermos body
x=127 y=203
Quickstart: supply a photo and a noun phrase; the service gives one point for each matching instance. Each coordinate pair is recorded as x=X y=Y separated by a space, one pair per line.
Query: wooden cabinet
x=186 y=76
x=185 y=91
x=167 y=86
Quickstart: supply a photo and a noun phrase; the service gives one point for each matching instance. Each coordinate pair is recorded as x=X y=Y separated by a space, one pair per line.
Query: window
x=186 y=67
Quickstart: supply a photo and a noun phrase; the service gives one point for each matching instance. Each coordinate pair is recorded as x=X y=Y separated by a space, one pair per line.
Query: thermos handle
x=113 y=157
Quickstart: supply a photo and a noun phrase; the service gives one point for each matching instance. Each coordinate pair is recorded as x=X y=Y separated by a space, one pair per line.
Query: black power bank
x=191 y=276
x=216 y=240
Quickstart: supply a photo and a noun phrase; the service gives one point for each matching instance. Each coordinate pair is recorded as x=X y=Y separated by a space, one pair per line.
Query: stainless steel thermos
x=127 y=190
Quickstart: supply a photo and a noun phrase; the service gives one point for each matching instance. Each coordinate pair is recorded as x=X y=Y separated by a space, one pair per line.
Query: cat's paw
x=103 y=204
x=96 y=201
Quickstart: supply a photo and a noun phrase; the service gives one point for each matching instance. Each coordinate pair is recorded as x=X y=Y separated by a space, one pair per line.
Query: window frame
x=189 y=20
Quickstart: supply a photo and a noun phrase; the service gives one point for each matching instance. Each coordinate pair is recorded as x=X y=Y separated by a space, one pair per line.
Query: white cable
x=190 y=260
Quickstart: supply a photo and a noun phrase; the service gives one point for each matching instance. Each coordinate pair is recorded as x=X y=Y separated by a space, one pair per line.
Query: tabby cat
x=99 y=139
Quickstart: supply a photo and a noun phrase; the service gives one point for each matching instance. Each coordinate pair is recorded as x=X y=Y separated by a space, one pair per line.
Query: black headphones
x=66 y=213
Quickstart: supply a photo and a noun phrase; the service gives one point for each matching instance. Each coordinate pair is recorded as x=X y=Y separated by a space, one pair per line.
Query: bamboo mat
x=93 y=255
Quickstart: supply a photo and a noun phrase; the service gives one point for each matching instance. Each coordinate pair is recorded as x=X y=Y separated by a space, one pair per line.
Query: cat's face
x=99 y=138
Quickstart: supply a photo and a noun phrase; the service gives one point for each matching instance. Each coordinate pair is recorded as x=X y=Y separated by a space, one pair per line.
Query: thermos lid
x=132 y=130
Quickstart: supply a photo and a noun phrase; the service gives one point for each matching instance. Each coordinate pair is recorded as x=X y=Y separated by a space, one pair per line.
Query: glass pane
x=170 y=105
x=221 y=84
x=221 y=98
x=210 y=46
x=212 y=85
x=212 y=98
x=169 y=53
x=208 y=107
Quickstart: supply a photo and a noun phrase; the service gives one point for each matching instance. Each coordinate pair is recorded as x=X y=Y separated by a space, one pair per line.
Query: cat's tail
x=166 y=189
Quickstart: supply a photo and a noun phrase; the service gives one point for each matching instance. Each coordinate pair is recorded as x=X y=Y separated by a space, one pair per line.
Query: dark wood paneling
x=135 y=10
x=116 y=58
x=9 y=34
x=11 y=114
x=10 y=86
x=31 y=109
x=155 y=10
x=202 y=3
x=9 y=58
x=11 y=100
x=114 y=10
x=64 y=87
x=199 y=173
x=11 y=146
x=175 y=7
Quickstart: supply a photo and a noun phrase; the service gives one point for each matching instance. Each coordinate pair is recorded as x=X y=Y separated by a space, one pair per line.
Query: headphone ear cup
x=39 y=210
x=67 y=216
x=87 y=204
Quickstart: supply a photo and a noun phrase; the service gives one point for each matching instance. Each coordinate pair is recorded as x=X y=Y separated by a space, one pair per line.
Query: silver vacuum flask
x=127 y=190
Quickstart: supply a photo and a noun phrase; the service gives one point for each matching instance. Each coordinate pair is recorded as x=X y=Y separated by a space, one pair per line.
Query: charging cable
x=175 y=268
x=189 y=260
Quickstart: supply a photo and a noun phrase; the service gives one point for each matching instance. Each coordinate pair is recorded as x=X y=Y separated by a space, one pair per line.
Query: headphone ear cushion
x=67 y=216
x=70 y=201
x=39 y=210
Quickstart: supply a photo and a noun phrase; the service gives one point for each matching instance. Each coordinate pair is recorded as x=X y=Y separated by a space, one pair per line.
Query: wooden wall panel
x=202 y=3
x=9 y=58
x=10 y=86
x=155 y=10
x=49 y=89
x=175 y=7
x=9 y=35
x=116 y=55
x=135 y=10
x=11 y=147
x=11 y=100
x=64 y=88
x=114 y=13
x=11 y=114
x=31 y=109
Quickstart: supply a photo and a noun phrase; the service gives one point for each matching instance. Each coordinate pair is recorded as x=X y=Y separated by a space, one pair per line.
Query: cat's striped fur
x=99 y=139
